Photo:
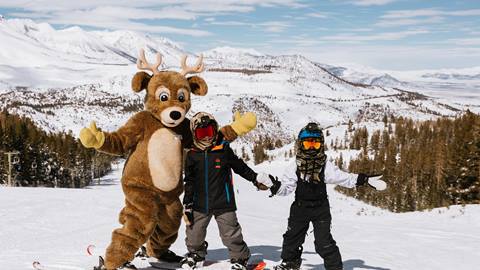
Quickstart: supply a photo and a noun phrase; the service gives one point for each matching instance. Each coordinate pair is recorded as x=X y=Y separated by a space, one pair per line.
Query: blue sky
x=384 y=34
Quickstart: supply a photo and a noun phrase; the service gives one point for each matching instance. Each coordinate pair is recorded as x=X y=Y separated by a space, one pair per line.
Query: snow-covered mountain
x=52 y=75
x=365 y=76
x=458 y=87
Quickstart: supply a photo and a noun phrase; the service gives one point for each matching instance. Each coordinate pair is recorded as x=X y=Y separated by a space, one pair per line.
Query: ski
x=257 y=266
x=175 y=266
x=36 y=265
x=166 y=265
x=206 y=264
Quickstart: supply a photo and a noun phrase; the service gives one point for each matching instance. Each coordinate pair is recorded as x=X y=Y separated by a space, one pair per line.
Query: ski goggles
x=309 y=134
x=311 y=144
x=204 y=132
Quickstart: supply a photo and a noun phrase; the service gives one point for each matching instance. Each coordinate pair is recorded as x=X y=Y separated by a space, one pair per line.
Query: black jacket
x=208 y=179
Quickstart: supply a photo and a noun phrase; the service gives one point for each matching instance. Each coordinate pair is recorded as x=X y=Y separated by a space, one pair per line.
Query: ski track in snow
x=55 y=227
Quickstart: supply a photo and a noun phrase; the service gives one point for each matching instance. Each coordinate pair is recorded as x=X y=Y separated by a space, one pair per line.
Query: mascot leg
x=139 y=218
x=166 y=231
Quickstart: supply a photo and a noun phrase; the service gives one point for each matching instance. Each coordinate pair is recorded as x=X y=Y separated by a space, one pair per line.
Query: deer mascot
x=153 y=140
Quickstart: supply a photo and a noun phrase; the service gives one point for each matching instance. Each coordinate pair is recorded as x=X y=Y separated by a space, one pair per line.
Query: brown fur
x=151 y=215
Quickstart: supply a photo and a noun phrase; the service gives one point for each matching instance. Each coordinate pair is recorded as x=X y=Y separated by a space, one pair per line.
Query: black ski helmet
x=311 y=130
x=310 y=162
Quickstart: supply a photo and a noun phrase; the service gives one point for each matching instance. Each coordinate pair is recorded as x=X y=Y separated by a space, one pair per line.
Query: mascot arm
x=126 y=137
x=241 y=125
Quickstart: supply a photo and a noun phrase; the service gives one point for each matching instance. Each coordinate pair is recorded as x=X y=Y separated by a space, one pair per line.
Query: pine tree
x=427 y=164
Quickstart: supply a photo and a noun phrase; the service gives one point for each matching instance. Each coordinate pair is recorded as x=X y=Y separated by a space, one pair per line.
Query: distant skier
x=307 y=176
x=209 y=193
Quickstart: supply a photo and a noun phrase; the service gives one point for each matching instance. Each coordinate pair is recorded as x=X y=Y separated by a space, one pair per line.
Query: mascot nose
x=175 y=115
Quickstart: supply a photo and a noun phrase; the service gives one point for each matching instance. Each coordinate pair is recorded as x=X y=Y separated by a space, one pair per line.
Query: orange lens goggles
x=311 y=144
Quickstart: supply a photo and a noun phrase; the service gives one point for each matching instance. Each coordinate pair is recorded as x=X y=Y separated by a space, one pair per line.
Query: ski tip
x=258 y=266
x=90 y=249
x=36 y=265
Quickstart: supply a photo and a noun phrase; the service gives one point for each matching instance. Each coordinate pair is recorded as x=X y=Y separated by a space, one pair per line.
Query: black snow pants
x=301 y=214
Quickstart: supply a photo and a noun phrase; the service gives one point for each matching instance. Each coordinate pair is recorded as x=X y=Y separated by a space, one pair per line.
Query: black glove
x=188 y=214
x=362 y=179
x=276 y=185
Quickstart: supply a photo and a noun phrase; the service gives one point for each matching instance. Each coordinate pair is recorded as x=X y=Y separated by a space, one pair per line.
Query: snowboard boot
x=128 y=266
x=142 y=253
x=170 y=256
x=125 y=266
x=192 y=261
x=289 y=265
x=239 y=264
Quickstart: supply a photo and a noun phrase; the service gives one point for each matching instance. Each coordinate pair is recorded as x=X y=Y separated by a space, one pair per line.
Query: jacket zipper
x=206 y=183
x=228 y=192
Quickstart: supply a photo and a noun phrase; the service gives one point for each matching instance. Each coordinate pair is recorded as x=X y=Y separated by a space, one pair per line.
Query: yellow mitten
x=91 y=137
x=242 y=124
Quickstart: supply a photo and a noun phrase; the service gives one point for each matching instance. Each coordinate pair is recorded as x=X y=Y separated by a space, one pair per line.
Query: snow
x=55 y=226
x=68 y=70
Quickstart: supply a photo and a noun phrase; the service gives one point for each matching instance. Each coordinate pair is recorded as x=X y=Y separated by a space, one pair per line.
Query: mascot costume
x=153 y=140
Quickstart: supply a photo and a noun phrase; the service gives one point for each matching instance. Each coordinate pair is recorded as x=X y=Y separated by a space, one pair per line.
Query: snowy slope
x=55 y=226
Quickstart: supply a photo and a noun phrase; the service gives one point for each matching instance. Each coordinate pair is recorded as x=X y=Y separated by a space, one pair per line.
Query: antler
x=143 y=64
x=191 y=69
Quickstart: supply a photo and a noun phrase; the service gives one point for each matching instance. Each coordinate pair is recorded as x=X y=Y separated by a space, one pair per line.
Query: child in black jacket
x=209 y=193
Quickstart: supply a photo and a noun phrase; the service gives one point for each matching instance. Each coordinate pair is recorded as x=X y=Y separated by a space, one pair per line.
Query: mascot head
x=168 y=92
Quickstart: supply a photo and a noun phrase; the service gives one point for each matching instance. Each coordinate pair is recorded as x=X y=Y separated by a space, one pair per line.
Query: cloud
x=387 y=36
x=274 y=26
x=110 y=19
x=231 y=23
x=268 y=26
x=464 y=41
x=403 y=14
x=372 y=2
x=408 y=21
x=142 y=15
x=345 y=38
x=398 y=57
x=317 y=15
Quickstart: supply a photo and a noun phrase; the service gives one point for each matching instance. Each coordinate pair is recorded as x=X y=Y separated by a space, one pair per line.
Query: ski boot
x=125 y=266
x=192 y=261
x=238 y=264
x=289 y=265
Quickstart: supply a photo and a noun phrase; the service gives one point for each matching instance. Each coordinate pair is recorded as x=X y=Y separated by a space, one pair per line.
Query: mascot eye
x=163 y=96
x=181 y=97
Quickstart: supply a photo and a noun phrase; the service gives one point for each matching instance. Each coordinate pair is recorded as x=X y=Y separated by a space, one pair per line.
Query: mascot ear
x=198 y=85
x=140 y=81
